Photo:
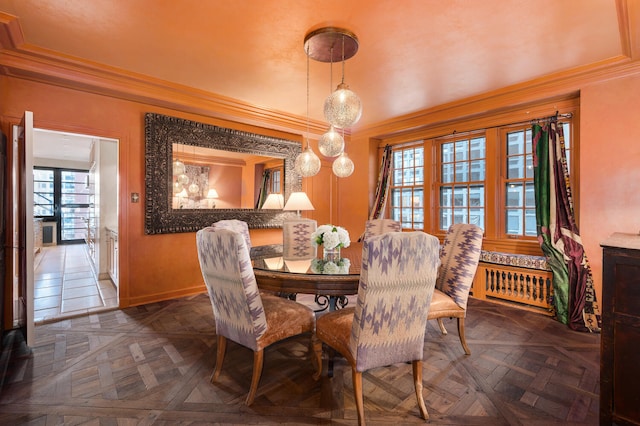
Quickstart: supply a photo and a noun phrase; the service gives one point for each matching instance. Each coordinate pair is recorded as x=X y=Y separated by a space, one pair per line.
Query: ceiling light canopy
x=343 y=107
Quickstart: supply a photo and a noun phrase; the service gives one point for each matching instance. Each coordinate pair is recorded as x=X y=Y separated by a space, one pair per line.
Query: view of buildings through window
x=460 y=180
x=63 y=196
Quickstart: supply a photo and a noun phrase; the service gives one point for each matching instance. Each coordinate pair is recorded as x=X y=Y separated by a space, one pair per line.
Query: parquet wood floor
x=151 y=365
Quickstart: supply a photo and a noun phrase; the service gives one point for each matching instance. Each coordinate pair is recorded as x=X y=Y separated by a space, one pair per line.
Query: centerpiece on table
x=332 y=239
x=321 y=266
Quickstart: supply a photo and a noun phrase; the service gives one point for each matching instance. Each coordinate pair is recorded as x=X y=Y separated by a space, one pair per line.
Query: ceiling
x=413 y=54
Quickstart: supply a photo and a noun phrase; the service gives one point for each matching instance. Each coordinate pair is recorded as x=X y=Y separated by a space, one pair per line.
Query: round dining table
x=293 y=276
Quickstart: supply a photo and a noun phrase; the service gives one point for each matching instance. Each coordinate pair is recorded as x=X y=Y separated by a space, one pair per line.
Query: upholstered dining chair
x=237 y=226
x=459 y=257
x=242 y=314
x=375 y=227
x=386 y=326
x=296 y=238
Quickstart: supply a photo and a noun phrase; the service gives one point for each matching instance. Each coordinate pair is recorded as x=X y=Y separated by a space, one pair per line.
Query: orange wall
x=152 y=267
x=609 y=164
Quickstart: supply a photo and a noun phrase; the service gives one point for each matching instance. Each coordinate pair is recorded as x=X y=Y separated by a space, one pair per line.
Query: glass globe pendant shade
x=178 y=168
x=343 y=107
x=343 y=166
x=177 y=187
x=194 y=188
x=331 y=144
x=183 y=179
x=307 y=164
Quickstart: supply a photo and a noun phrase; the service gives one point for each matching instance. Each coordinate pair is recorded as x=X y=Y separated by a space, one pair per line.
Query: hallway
x=65 y=286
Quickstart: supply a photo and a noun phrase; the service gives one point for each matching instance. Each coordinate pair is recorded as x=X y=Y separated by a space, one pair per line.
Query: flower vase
x=331 y=255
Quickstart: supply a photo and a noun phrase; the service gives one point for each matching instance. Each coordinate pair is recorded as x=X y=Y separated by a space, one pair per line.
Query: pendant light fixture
x=307 y=163
x=343 y=107
x=331 y=144
x=343 y=165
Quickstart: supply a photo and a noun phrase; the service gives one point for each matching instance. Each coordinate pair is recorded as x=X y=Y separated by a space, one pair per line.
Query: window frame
x=491 y=125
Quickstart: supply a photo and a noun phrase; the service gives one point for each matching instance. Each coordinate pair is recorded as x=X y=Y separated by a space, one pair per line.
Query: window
x=407 y=187
x=275 y=181
x=43 y=193
x=520 y=203
x=483 y=177
x=461 y=182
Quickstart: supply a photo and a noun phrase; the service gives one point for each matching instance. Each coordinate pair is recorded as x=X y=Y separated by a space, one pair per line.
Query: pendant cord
x=343 y=59
x=307 y=135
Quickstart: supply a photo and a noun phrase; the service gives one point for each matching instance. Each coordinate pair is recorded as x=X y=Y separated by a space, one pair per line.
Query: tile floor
x=65 y=286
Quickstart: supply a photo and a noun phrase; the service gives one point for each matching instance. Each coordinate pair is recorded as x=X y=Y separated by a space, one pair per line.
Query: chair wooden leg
x=441 y=324
x=222 y=347
x=417 y=382
x=317 y=355
x=463 y=340
x=258 y=358
x=357 y=393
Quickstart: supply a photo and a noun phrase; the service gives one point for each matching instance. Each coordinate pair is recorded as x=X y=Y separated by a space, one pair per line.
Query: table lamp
x=274 y=202
x=298 y=201
x=212 y=195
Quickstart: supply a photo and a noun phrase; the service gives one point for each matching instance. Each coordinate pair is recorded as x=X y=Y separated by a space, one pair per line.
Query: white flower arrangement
x=320 y=266
x=330 y=237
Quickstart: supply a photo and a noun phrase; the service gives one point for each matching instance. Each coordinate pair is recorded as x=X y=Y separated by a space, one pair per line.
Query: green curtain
x=574 y=296
x=264 y=189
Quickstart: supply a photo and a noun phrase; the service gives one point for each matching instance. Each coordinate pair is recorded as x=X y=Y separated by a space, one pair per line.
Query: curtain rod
x=531 y=121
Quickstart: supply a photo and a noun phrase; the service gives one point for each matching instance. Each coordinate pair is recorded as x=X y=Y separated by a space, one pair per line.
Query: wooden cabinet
x=112 y=255
x=620 y=340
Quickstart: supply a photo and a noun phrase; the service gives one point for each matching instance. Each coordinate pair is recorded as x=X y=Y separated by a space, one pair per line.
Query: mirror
x=206 y=146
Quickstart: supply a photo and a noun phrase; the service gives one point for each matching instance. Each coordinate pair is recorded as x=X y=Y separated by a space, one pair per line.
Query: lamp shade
x=212 y=193
x=298 y=201
x=274 y=202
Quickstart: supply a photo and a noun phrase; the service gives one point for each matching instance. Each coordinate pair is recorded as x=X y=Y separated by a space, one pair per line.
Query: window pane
x=445 y=218
x=477 y=148
x=397 y=177
x=408 y=177
x=460 y=196
x=419 y=176
x=447 y=152
x=418 y=157
x=476 y=196
x=477 y=170
x=529 y=167
x=515 y=143
x=462 y=150
x=445 y=196
x=407 y=158
x=447 y=173
x=476 y=217
x=406 y=197
x=530 y=222
x=514 y=195
x=530 y=197
x=462 y=172
x=395 y=197
x=515 y=168
x=418 y=198
x=460 y=216
x=514 y=221
x=395 y=214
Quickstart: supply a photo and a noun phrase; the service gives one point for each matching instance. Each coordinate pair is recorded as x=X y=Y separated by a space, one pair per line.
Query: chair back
x=375 y=227
x=237 y=226
x=296 y=238
x=231 y=284
x=459 y=257
x=396 y=285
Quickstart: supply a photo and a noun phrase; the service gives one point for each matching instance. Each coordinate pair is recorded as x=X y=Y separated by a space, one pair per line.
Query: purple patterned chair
x=237 y=226
x=375 y=227
x=241 y=313
x=296 y=238
x=387 y=324
x=459 y=258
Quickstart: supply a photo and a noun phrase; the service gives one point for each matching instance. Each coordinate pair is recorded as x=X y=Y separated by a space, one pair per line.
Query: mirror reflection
x=207 y=178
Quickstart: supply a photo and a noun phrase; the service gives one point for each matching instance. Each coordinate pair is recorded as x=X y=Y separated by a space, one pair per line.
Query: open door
x=22 y=229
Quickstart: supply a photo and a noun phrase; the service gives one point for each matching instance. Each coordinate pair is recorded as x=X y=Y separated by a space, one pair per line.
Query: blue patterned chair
x=296 y=238
x=241 y=313
x=387 y=324
x=459 y=257
x=375 y=227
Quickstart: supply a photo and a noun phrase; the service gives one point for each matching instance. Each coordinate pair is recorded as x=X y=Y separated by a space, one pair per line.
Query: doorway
x=75 y=210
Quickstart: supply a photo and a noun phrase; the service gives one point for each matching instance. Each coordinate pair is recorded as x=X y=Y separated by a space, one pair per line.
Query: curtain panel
x=574 y=296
